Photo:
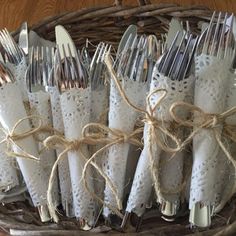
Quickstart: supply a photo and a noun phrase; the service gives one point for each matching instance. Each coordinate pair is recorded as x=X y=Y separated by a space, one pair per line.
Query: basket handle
x=140 y=2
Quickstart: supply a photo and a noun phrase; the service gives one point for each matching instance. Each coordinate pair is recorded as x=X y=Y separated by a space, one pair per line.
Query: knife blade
x=23 y=38
x=64 y=43
x=64 y=38
x=130 y=33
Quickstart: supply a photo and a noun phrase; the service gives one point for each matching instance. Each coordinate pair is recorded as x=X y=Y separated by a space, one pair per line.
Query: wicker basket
x=107 y=24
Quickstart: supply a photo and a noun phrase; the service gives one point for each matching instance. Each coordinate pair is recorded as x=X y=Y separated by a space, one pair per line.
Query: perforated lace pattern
x=11 y=110
x=75 y=104
x=142 y=183
x=228 y=171
x=63 y=167
x=8 y=171
x=40 y=105
x=99 y=111
x=121 y=117
x=18 y=72
x=210 y=95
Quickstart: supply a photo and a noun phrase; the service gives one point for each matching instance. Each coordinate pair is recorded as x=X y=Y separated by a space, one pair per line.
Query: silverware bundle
x=66 y=88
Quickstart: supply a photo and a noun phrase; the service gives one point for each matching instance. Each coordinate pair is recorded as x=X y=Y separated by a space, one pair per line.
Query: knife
x=130 y=33
x=67 y=47
x=64 y=38
x=23 y=38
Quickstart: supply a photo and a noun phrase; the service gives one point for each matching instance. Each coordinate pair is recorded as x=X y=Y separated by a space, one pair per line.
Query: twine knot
x=215 y=121
x=156 y=131
x=208 y=121
x=92 y=134
x=11 y=137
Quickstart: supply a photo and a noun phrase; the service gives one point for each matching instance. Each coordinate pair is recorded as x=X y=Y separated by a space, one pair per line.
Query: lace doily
x=8 y=172
x=121 y=117
x=40 y=105
x=63 y=166
x=11 y=110
x=75 y=104
x=228 y=172
x=18 y=72
x=99 y=111
x=210 y=95
x=142 y=183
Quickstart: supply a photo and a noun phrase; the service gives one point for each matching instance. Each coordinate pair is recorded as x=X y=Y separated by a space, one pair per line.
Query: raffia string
x=11 y=137
x=154 y=126
x=103 y=135
x=212 y=122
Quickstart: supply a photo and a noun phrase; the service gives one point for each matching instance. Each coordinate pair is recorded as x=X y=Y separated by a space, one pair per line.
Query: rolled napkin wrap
x=99 y=111
x=18 y=72
x=123 y=118
x=11 y=111
x=8 y=171
x=210 y=95
x=142 y=184
x=63 y=166
x=75 y=105
x=228 y=173
x=143 y=181
x=40 y=105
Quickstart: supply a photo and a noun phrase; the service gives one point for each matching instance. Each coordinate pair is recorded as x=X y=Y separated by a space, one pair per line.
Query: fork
x=5 y=75
x=213 y=61
x=12 y=51
x=176 y=62
x=217 y=40
x=97 y=66
x=69 y=70
x=39 y=71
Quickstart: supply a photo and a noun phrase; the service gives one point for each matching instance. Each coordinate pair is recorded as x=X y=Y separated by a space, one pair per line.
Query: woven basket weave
x=107 y=24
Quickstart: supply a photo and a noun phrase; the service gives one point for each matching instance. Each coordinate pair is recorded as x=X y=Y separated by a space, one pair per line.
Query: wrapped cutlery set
x=137 y=136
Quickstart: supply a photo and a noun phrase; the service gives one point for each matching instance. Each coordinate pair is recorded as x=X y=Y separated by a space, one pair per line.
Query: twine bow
x=214 y=122
x=92 y=134
x=110 y=137
x=154 y=125
x=11 y=137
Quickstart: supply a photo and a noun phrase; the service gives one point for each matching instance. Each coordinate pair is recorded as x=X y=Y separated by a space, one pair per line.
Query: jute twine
x=111 y=138
x=214 y=122
x=105 y=136
x=206 y=121
x=11 y=137
x=155 y=128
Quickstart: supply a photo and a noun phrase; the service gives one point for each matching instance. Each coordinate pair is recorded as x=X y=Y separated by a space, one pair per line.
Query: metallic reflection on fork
x=176 y=64
x=97 y=66
x=217 y=40
x=5 y=75
x=39 y=71
x=68 y=70
x=177 y=61
x=12 y=51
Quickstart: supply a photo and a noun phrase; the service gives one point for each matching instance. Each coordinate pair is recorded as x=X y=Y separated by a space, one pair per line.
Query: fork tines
x=39 y=71
x=97 y=66
x=218 y=40
x=177 y=60
x=69 y=71
x=12 y=51
x=5 y=75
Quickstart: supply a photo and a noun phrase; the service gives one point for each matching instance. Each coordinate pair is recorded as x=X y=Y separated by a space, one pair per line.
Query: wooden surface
x=14 y=12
